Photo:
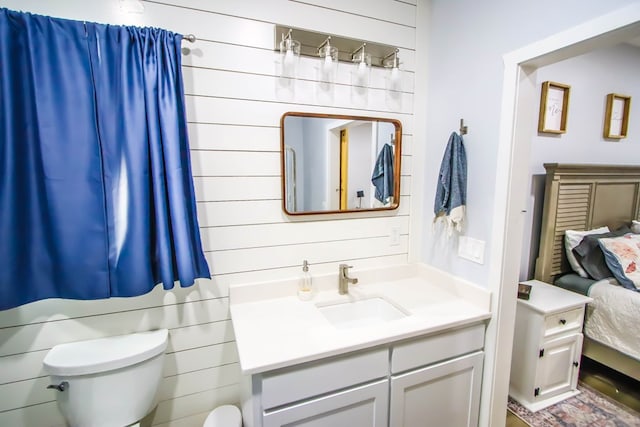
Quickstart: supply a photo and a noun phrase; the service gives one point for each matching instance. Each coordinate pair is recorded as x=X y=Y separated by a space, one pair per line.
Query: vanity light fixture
x=290 y=51
x=331 y=50
x=363 y=65
x=329 y=55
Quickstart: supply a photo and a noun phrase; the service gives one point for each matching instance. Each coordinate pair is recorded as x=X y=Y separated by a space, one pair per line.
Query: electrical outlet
x=394 y=236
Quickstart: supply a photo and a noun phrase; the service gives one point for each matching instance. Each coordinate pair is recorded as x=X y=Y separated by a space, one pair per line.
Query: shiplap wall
x=235 y=100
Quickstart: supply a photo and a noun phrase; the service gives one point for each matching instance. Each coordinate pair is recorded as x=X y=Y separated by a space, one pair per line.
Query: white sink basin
x=359 y=313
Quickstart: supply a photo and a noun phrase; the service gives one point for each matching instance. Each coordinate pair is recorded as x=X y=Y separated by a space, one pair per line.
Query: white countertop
x=274 y=329
x=548 y=299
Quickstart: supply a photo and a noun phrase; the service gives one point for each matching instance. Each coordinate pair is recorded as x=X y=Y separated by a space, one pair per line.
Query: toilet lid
x=104 y=354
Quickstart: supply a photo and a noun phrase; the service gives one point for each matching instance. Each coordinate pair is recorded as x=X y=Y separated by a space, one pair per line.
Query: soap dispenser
x=305 y=286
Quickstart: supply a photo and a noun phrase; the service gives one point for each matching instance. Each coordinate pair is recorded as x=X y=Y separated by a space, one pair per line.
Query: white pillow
x=572 y=238
x=635 y=226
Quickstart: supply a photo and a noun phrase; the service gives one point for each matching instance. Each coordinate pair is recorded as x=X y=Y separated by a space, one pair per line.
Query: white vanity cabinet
x=434 y=379
x=547 y=346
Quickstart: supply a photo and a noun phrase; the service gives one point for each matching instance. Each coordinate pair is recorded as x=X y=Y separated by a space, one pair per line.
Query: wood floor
x=609 y=382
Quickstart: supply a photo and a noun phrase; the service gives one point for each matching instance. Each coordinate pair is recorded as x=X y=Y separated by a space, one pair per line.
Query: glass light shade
x=362 y=63
x=328 y=52
x=395 y=74
x=329 y=55
x=290 y=51
x=393 y=62
x=394 y=79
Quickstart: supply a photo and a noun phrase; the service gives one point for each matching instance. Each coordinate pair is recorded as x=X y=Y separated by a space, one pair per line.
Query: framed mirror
x=339 y=163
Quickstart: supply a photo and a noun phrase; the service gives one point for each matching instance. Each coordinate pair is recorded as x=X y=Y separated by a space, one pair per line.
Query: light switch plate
x=394 y=236
x=471 y=249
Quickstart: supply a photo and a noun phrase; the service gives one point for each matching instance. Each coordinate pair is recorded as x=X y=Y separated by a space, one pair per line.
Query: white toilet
x=107 y=382
x=112 y=382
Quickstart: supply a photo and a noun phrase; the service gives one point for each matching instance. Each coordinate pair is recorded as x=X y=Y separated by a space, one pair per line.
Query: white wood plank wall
x=235 y=101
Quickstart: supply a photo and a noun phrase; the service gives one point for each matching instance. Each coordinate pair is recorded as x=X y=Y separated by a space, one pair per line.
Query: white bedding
x=612 y=318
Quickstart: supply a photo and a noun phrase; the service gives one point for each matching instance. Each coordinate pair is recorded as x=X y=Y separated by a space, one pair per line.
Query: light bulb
x=394 y=79
x=288 y=58
x=328 y=61
x=362 y=74
x=290 y=50
x=395 y=74
x=327 y=65
x=392 y=61
x=362 y=68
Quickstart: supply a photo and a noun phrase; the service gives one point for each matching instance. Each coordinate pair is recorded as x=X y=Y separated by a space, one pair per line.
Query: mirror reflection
x=335 y=163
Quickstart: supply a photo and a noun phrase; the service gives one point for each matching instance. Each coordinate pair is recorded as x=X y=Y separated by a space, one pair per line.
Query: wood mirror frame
x=328 y=161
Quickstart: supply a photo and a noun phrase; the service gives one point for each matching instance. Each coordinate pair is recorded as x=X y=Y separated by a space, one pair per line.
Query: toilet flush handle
x=60 y=387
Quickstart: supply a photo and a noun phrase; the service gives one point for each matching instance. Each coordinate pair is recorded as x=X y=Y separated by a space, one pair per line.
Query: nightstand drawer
x=562 y=322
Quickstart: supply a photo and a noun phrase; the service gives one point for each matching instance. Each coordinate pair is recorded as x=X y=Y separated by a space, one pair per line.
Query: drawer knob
x=576 y=364
x=563 y=321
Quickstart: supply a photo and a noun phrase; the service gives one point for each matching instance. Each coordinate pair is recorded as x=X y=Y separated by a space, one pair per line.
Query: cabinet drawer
x=363 y=406
x=435 y=348
x=564 y=321
x=297 y=383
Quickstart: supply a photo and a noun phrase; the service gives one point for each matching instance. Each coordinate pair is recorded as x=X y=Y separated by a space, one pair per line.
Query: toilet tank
x=109 y=382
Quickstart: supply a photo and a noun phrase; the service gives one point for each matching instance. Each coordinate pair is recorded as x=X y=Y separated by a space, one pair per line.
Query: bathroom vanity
x=397 y=350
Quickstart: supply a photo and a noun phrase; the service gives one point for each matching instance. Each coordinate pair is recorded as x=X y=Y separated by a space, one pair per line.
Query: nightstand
x=547 y=346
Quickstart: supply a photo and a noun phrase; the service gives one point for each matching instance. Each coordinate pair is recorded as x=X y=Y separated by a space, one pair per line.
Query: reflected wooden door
x=344 y=166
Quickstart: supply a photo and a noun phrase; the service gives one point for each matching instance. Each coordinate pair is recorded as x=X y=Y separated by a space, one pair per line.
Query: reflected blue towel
x=382 y=177
x=451 y=192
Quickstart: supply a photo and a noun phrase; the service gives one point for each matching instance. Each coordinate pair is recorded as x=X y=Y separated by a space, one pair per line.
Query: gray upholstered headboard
x=582 y=197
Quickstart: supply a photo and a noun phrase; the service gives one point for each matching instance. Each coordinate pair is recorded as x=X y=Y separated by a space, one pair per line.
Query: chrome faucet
x=344 y=279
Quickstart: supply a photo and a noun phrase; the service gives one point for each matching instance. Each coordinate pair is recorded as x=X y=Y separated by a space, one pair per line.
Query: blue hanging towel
x=451 y=191
x=382 y=177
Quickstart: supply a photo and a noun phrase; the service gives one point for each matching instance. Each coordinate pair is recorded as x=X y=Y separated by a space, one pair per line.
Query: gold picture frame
x=554 y=105
x=616 y=117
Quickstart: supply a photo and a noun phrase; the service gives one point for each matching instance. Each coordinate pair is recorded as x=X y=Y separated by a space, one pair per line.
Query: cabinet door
x=558 y=366
x=362 y=406
x=445 y=394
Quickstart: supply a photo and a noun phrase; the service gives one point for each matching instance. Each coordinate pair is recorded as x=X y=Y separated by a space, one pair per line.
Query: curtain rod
x=189 y=37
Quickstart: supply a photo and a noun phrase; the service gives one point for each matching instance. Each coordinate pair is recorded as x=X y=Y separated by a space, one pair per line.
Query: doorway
x=520 y=95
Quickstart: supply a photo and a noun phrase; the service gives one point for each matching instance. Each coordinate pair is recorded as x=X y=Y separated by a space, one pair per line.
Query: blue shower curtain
x=96 y=194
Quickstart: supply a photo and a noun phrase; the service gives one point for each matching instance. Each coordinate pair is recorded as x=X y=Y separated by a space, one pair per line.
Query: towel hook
x=463 y=127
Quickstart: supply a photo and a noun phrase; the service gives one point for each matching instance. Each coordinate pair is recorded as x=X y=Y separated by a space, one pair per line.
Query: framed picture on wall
x=554 y=105
x=616 y=117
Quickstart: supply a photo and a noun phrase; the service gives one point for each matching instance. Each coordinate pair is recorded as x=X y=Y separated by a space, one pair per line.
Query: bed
x=582 y=198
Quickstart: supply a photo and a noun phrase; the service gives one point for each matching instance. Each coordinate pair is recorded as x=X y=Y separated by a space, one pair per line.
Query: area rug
x=587 y=409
